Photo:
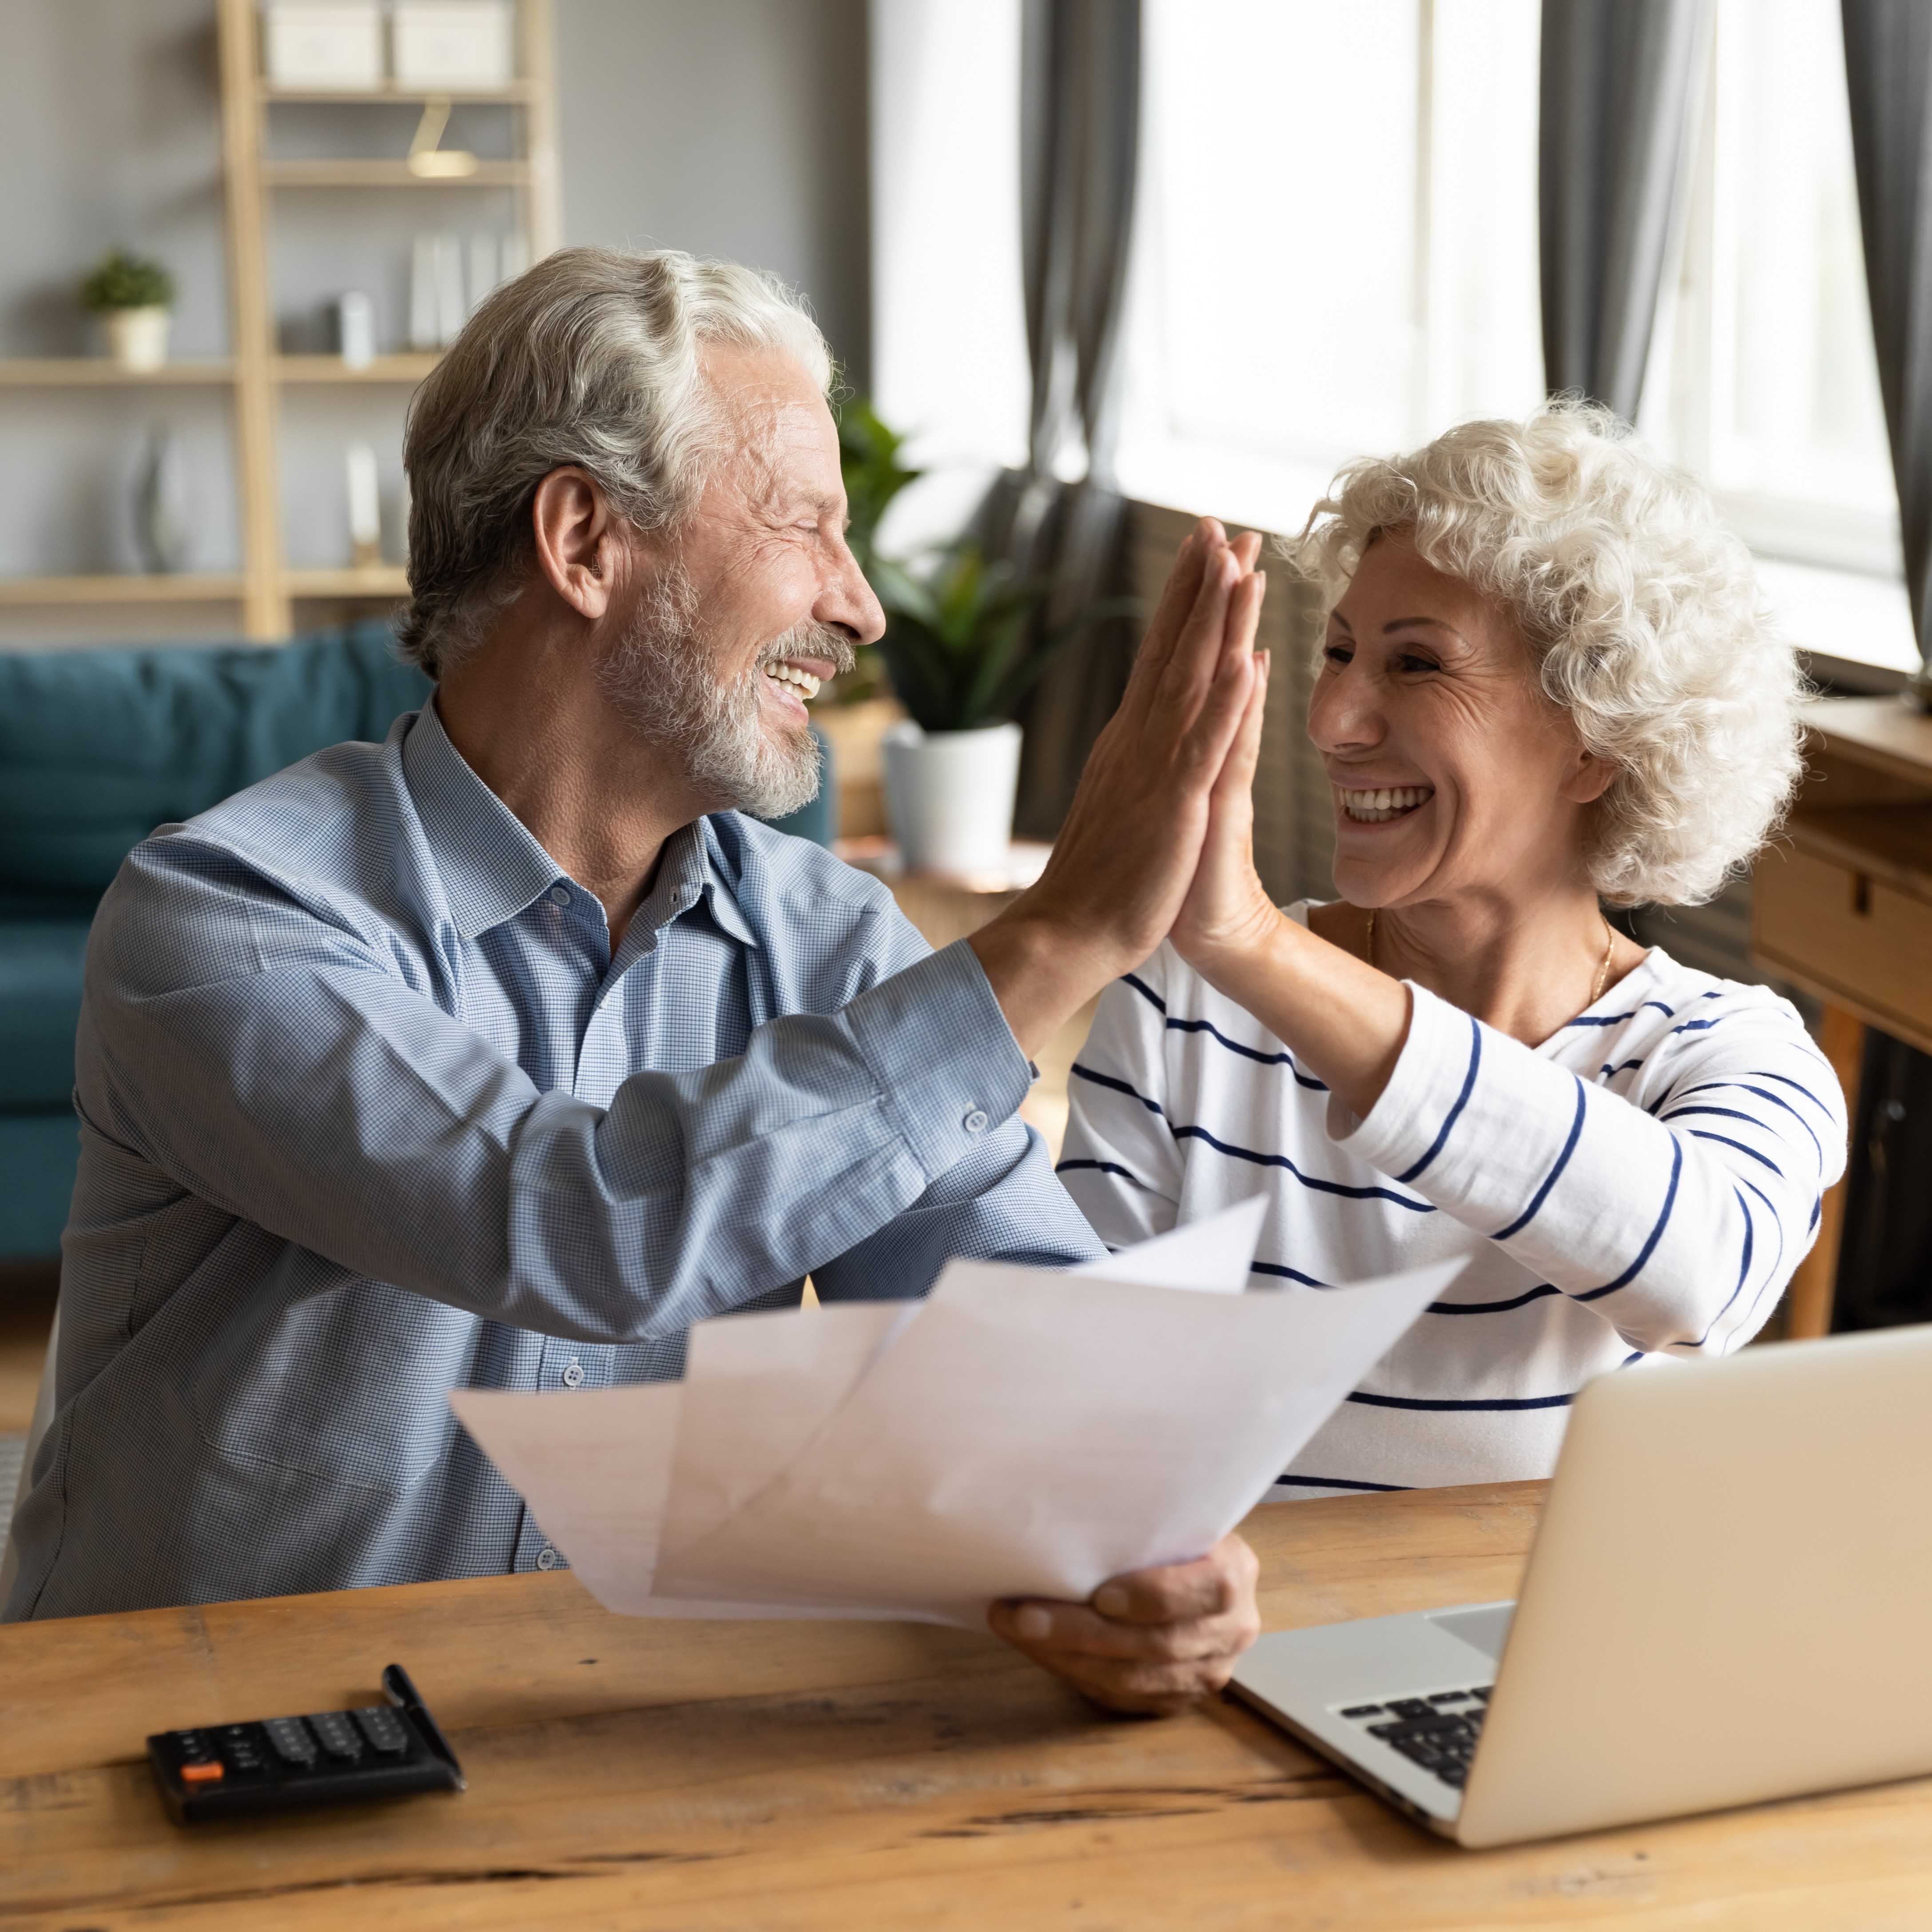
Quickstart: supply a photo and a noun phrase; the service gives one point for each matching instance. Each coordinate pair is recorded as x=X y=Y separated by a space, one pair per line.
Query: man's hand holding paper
x=1022 y=1434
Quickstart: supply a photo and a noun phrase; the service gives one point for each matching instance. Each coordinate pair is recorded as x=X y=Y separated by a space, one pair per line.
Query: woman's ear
x=1589 y=777
x=579 y=540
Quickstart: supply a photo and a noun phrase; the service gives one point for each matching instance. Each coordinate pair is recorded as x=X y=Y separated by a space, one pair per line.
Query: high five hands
x=1159 y=840
x=1166 y=786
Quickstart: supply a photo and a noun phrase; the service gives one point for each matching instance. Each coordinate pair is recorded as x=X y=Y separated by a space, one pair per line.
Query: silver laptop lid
x=1730 y=1596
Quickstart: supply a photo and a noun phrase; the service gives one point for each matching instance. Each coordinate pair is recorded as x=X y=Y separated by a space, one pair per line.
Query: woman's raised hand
x=1227 y=909
x=1126 y=858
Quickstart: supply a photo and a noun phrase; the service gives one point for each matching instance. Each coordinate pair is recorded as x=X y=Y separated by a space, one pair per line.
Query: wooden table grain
x=627 y=1774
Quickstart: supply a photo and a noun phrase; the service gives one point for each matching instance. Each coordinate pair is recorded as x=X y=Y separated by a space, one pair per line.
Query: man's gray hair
x=591 y=358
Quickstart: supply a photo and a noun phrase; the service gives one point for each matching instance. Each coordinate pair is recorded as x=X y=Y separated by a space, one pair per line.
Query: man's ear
x=579 y=540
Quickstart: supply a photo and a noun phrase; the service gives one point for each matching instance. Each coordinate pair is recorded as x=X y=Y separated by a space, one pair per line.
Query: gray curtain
x=1888 y=69
x=1080 y=138
x=1619 y=86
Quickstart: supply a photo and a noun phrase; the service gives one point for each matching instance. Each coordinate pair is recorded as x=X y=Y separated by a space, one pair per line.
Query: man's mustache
x=810 y=639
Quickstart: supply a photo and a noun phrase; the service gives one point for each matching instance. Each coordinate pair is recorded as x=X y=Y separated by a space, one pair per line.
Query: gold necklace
x=1603 y=971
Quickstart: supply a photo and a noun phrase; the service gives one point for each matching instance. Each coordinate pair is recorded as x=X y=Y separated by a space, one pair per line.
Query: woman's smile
x=1382 y=805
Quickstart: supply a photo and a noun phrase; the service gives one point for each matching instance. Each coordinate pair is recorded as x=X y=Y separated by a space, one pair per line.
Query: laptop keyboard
x=1439 y=1732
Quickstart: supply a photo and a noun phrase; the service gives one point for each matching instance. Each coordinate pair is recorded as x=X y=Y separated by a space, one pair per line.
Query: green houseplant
x=869 y=461
x=133 y=295
x=958 y=643
x=873 y=474
x=963 y=647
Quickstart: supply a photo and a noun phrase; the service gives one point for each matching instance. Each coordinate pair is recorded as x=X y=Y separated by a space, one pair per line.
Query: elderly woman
x=1546 y=683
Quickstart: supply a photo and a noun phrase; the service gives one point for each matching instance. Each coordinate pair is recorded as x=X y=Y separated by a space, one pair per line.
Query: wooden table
x=631 y=1774
x=1843 y=907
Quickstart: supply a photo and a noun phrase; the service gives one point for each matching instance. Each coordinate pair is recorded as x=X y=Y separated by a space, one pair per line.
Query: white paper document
x=1021 y=1431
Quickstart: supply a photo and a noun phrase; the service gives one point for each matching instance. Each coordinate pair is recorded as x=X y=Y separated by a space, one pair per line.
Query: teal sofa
x=97 y=748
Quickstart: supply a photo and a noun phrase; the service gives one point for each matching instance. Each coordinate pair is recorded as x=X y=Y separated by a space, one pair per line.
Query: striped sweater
x=1642 y=1184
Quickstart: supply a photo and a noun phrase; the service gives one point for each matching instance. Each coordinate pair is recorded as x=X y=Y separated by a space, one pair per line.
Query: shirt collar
x=492 y=867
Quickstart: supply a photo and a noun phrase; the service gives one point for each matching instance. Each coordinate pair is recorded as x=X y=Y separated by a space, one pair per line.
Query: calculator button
x=383 y=1729
x=339 y=1737
x=208 y=1773
x=293 y=1741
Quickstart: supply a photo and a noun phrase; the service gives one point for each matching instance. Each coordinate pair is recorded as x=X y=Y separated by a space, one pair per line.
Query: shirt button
x=548 y=1558
x=559 y=895
x=573 y=1375
x=976 y=1122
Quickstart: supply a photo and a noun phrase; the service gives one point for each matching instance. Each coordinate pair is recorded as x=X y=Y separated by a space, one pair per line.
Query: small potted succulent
x=961 y=647
x=133 y=296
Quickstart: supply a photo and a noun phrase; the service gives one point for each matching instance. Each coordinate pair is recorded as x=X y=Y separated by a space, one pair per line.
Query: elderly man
x=497 y=1055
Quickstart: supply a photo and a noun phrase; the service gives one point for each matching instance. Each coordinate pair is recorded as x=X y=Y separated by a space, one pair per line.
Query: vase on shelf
x=136 y=338
x=949 y=795
x=160 y=504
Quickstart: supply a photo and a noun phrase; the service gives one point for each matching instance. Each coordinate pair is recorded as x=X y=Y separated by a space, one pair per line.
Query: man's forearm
x=1041 y=971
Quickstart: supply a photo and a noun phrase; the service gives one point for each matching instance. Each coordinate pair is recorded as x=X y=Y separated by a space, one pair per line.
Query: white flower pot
x=137 y=338
x=949 y=795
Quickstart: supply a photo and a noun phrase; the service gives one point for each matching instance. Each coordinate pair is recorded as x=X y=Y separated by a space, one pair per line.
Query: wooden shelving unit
x=266 y=587
x=410 y=369
x=390 y=174
x=89 y=372
x=181 y=588
x=381 y=579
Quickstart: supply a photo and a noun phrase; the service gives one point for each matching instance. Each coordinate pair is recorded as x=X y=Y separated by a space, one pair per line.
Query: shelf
x=255 y=384
x=389 y=174
x=68 y=372
x=514 y=94
x=411 y=368
x=130 y=588
x=384 y=580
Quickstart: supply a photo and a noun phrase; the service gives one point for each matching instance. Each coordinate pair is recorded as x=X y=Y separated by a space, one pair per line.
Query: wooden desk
x=630 y=1774
x=1843 y=907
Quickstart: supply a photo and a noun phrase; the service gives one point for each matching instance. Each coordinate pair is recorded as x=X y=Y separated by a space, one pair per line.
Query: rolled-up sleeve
x=1678 y=1222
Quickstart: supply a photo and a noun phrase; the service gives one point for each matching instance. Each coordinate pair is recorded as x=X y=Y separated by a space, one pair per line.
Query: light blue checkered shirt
x=368 y=1111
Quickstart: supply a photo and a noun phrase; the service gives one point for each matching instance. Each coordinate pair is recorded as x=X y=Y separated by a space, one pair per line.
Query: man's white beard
x=660 y=676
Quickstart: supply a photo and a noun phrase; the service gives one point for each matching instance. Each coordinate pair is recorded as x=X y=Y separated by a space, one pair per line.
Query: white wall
x=732 y=127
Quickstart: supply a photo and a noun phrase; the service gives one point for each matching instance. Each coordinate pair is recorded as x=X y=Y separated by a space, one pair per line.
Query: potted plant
x=856 y=710
x=961 y=649
x=132 y=296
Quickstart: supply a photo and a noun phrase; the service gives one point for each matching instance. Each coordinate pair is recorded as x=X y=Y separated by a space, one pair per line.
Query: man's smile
x=804 y=678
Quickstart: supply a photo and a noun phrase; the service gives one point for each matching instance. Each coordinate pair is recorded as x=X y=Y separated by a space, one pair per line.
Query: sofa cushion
x=39 y=1153
x=98 y=747
x=40 y=962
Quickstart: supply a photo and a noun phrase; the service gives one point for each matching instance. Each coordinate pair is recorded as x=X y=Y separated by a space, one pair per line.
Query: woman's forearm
x=1340 y=1018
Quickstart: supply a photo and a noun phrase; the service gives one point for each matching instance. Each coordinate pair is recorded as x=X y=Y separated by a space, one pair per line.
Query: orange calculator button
x=199 y=1774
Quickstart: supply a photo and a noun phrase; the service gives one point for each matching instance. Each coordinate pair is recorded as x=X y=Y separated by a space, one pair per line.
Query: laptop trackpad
x=1485 y=1628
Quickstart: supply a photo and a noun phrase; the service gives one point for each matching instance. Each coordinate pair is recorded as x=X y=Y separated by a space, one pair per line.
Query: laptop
x=1730 y=1600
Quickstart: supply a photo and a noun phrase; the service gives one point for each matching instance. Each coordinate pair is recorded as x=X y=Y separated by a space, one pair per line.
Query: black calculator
x=330 y=1757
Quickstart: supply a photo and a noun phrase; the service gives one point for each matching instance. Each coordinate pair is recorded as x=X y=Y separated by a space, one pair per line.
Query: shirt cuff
x=938 y=1048
x=1434 y=1076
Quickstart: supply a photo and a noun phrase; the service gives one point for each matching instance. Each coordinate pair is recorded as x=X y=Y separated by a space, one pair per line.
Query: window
x=1336 y=251
x=1336 y=248
x=1763 y=377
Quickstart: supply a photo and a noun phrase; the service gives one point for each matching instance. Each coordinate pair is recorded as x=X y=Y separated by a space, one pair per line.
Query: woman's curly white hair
x=1640 y=609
